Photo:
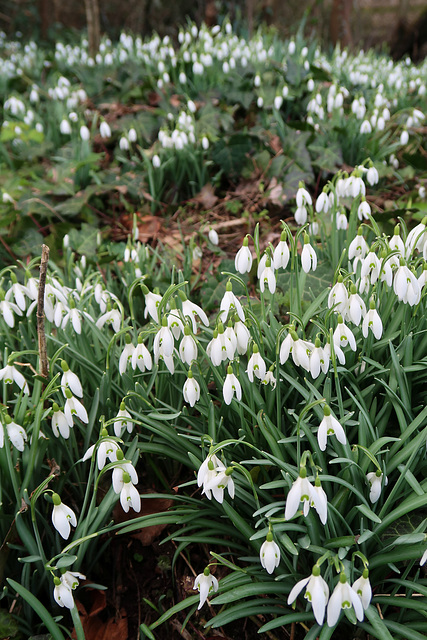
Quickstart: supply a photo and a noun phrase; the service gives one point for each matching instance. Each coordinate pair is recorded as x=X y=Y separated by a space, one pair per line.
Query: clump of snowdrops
x=298 y=430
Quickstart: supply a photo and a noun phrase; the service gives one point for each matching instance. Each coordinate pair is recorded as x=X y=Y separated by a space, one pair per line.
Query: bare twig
x=44 y=365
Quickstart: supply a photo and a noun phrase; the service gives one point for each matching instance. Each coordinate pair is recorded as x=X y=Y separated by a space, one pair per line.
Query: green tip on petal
x=353 y=289
x=372 y=304
x=397 y=230
x=365 y=573
x=229 y=471
x=120 y=455
x=207 y=571
x=360 y=231
x=126 y=477
x=56 y=581
x=190 y=373
x=303 y=472
x=64 y=366
x=68 y=394
x=283 y=236
x=306 y=238
x=128 y=339
x=246 y=241
x=55 y=407
x=211 y=465
x=164 y=321
x=317 y=343
x=229 y=369
x=220 y=327
x=340 y=320
x=255 y=349
x=326 y=410
x=122 y=406
x=316 y=570
x=343 y=578
x=340 y=278
x=187 y=330
x=229 y=286
x=269 y=537
x=56 y=499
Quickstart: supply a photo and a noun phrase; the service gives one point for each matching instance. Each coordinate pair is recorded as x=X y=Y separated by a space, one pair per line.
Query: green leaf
x=379 y=628
x=188 y=602
x=252 y=589
x=368 y=513
x=39 y=609
x=66 y=561
x=231 y=155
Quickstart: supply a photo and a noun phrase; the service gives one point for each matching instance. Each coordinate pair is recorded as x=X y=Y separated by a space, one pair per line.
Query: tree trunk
x=340 y=24
x=93 y=26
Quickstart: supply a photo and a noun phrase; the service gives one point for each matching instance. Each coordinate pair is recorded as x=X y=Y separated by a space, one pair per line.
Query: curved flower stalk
x=205 y=583
x=316 y=592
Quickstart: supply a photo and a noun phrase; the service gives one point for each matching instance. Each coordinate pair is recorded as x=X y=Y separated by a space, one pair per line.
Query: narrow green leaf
x=368 y=513
x=188 y=602
x=39 y=609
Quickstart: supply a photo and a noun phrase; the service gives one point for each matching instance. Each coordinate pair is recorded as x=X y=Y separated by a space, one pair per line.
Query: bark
x=340 y=24
x=93 y=26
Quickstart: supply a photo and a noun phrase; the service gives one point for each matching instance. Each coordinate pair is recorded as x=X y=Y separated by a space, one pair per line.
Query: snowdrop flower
x=221 y=480
x=124 y=144
x=256 y=365
x=156 y=161
x=10 y=374
x=220 y=348
x=316 y=592
x=322 y=203
x=405 y=285
x=62 y=517
x=372 y=176
x=107 y=448
x=123 y=421
x=300 y=215
x=65 y=127
x=60 y=423
x=152 y=302
x=341 y=220
x=269 y=554
x=364 y=210
x=308 y=256
x=62 y=594
x=18 y=291
x=423 y=558
x=365 y=127
x=358 y=246
x=74 y=407
x=371 y=267
x=356 y=309
x=120 y=468
x=278 y=101
x=281 y=253
x=70 y=381
x=15 y=432
x=375 y=479
x=207 y=470
x=205 y=145
x=343 y=335
x=321 y=504
x=363 y=588
x=338 y=297
x=188 y=347
x=213 y=237
x=373 y=322
x=417 y=238
x=163 y=342
x=126 y=355
x=422 y=280
x=104 y=130
x=404 y=138
x=318 y=360
x=267 y=278
x=191 y=310
x=243 y=336
x=231 y=387
x=269 y=378
x=243 y=259
x=205 y=583
x=396 y=244
x=71 y=579
x=303 y=197
x=112 y=317
x=343 y=597
x=129 y=495
x=260 y=102
x=7 y=309
x=191 y=390
x=132 y=135
x=141 y=357
x=301 y=491
x=84 y=133
x=230 y=302
x=329 y=426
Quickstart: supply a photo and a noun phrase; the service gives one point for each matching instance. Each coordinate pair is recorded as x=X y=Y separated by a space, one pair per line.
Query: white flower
x=10 y=374
x=375 y=479
x=405 y=285
x=205 y=583
x=112 y=317
x=211 y=463
x=281 y=253
x=132 y=135
x=329 y=426
x=126 y=355
x=129 y=495
x=404 y=138
x=71 y=579
x=267 y=278
x=191 y=390
x=356 y=309
x=230 y=302
x=243 y=259
x=213 y=237
x=343 y=335
x=256 y=365
x=300 y=215
x=65 y=127
x=286 y=346
x=269 y=554
x=7 y=309
x=191 y=310
x=163 y=342
x=16 y=434
x=187 y=347
x=141 y=357
x=423 y=558
x=269 y=379
x=371 y=267
x=70 y=381
x=363 y=588
x=308 y=256
x=104 y=130
x=364 y=210
x=231 y=387
x=321 y=504
x=84 y=132
x=74 y=407
x=343 y=597
x=338 y=297
x=316 y=592
x=18 y=291
x=62 y=594
x=341 y=220
x=303 y=197
x=156 y=161
x=220 y=348
x=107 y=448
x=301 y=491
x=123 y=421
x=243 y=336
x=60 y=423
x=117 y=478
x=358 y=246
x=322 y=203
x=218 y=482
x=124 y=144
x=318 y=360
x=372 y=176
x=62 y=517
x=373 y=322
x=301 y=350
x=152 y=301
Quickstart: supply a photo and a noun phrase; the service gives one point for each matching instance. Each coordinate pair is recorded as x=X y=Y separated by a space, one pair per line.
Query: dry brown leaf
x=94 y=627
x=145 y=535
x=206 y=197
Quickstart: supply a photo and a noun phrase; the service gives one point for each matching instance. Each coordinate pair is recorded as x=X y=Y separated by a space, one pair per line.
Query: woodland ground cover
x=235 y=334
